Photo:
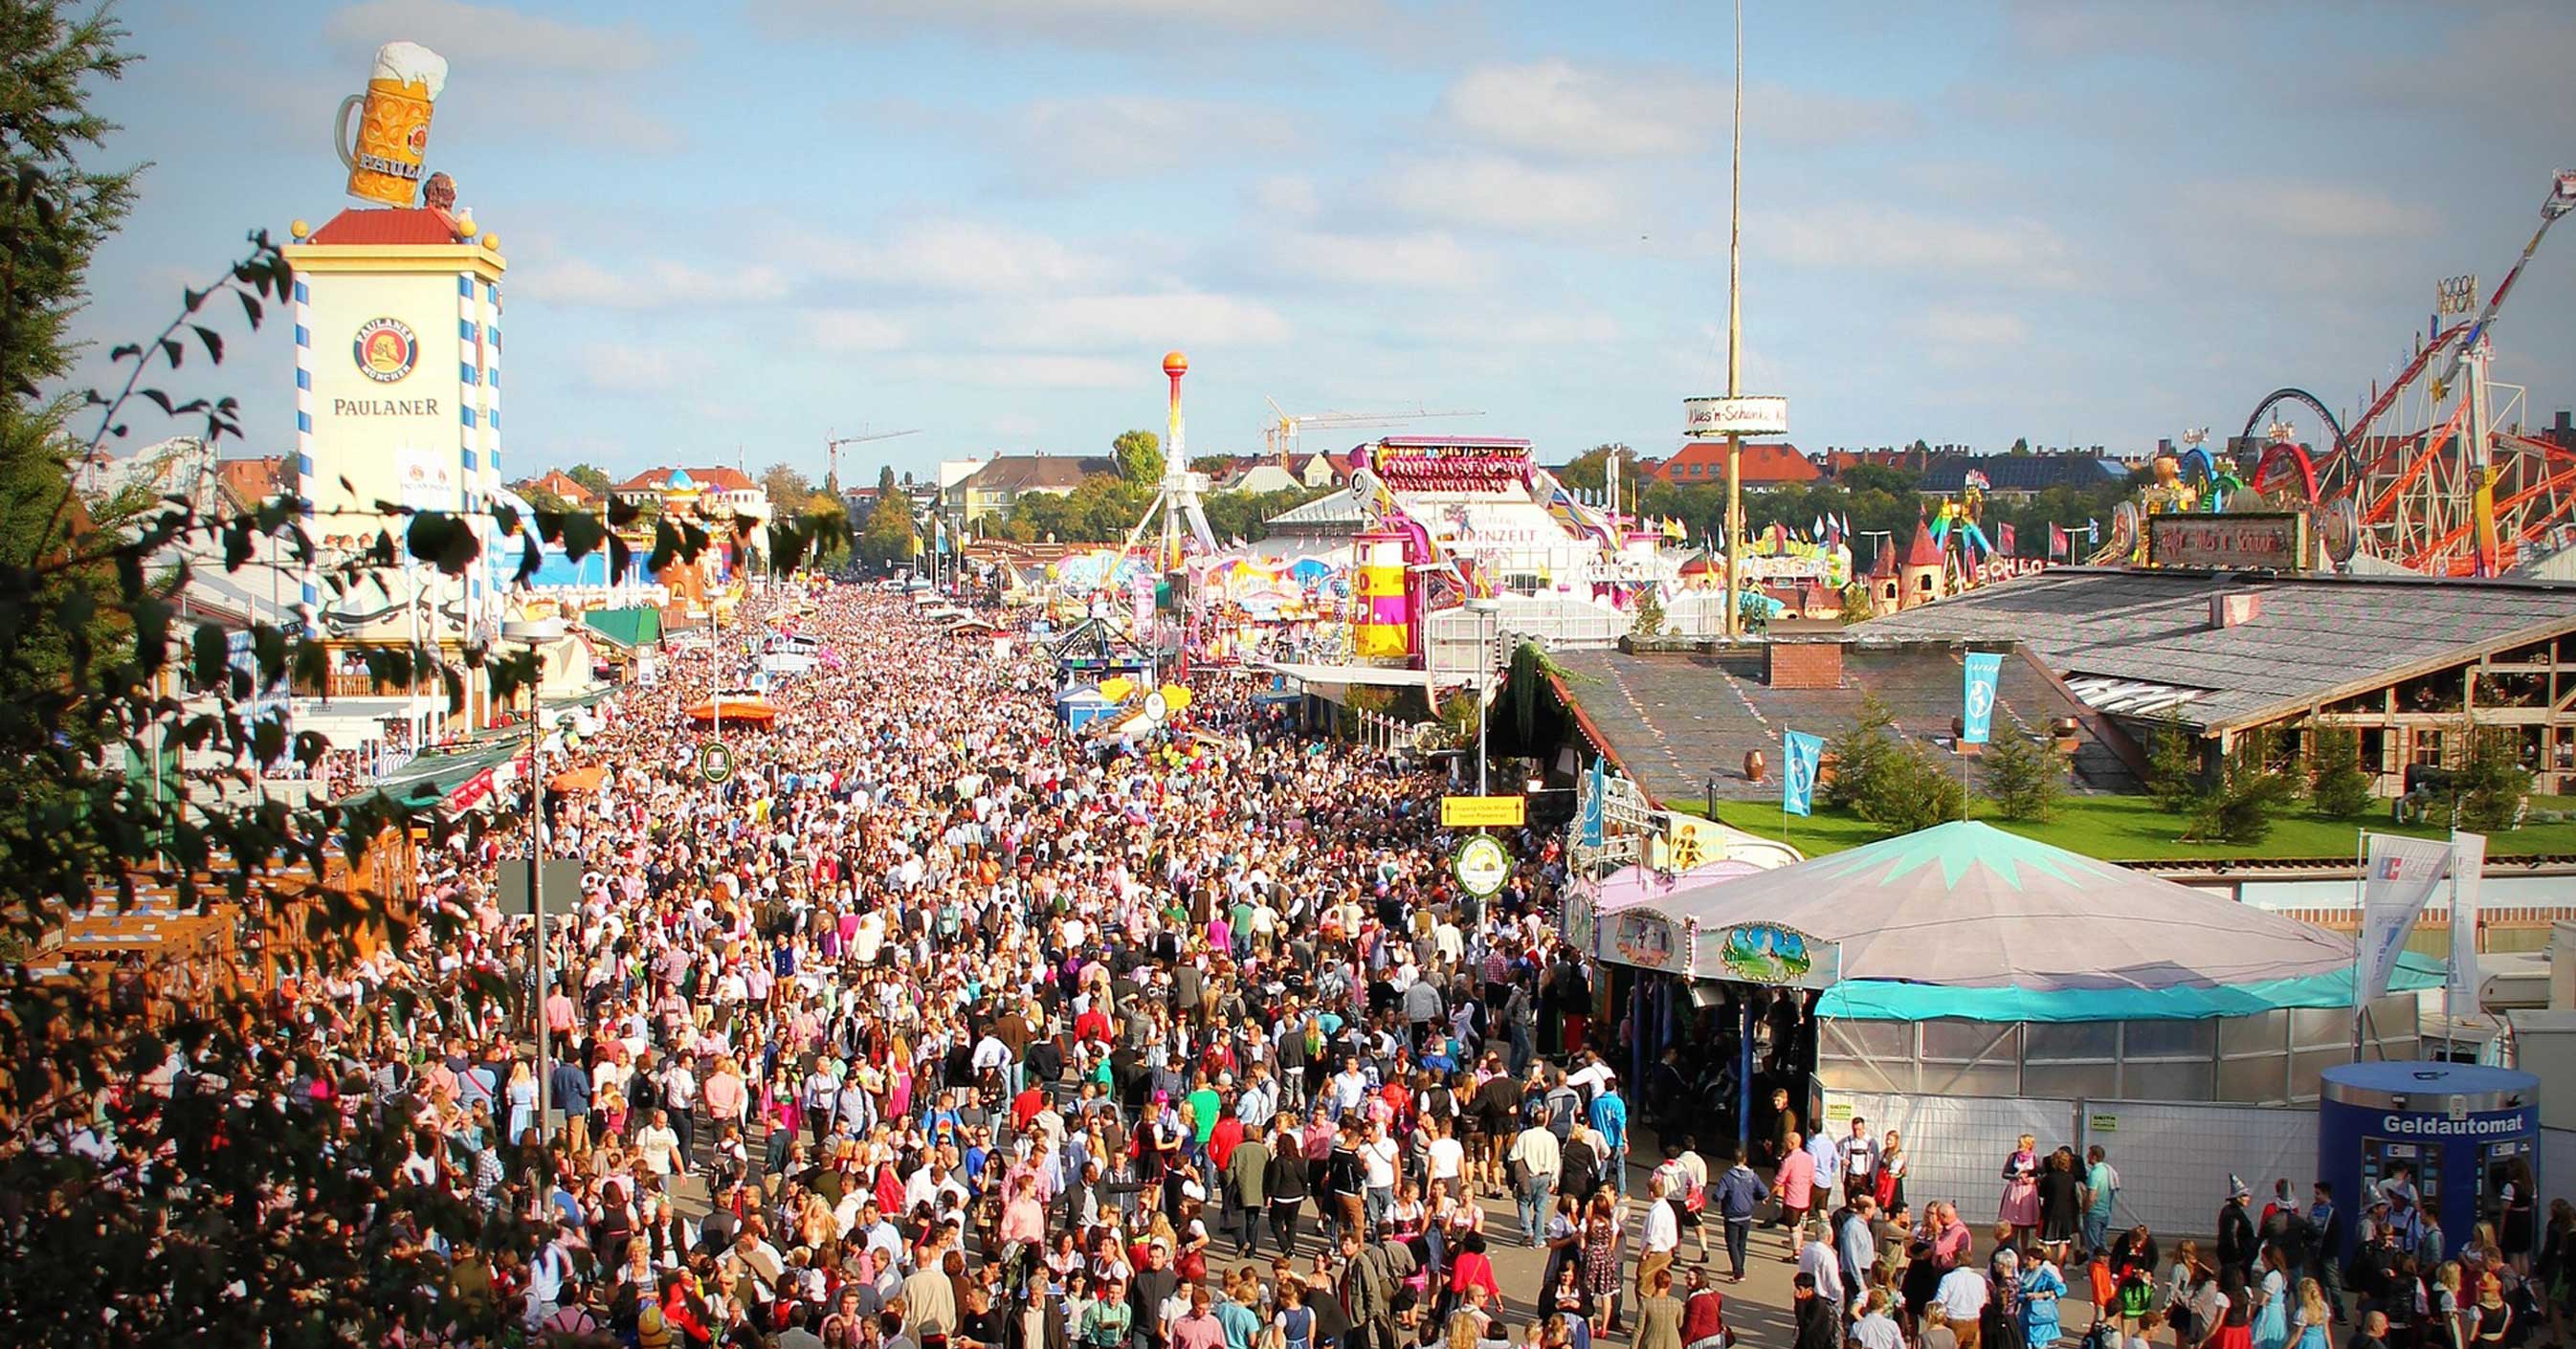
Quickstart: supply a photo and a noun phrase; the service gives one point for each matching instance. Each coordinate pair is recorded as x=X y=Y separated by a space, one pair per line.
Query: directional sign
x=715 y=762
x=1482 y=866
x=1474 y=812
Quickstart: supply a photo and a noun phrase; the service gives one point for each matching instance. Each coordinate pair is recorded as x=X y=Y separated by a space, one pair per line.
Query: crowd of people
x=938 y=1025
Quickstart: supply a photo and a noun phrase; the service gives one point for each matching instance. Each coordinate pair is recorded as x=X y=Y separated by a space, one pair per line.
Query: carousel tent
x=1976 y=962
x=1967 y=920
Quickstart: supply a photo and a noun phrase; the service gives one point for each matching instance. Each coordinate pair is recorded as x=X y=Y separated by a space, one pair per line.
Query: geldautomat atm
x=2447 y=1129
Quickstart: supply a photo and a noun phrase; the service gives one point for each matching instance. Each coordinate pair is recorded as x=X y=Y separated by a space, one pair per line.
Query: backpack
x=651 y=1330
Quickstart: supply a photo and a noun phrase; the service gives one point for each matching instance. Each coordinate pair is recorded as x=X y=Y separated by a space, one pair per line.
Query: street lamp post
x=1488 y=612
x=536 y=633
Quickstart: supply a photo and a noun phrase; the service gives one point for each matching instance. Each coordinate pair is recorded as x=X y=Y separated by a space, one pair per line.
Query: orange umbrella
x=576 y=780
x=735 y=709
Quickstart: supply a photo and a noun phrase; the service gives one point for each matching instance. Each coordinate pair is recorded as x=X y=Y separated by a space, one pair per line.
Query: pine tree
x=2025 y=775
x=1859 y=754
x=2337 y=786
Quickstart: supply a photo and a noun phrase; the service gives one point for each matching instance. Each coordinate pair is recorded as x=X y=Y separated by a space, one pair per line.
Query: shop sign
x=2274 y=539
x=1750 y=415
x=1645 y=939
x=1772 y=955
x=1482 y=866
x=1478 y=812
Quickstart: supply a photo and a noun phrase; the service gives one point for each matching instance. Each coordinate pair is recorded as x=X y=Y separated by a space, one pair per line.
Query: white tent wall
x=1955 y=1146
x=2557 y=1165
x=2173 y=1160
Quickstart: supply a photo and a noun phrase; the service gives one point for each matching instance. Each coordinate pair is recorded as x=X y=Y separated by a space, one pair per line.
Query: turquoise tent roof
x=629 y=628
x=1967 y=920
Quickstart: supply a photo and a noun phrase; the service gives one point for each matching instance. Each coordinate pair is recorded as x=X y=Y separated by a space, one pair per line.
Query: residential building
x=1005 y=478
x=708 y=493
x=561 y=485
x=2014 y=475
x=1766 y=464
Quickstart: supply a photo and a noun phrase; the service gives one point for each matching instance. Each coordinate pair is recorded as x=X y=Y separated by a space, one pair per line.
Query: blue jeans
x=1532 y=1198
x=2097 y=1232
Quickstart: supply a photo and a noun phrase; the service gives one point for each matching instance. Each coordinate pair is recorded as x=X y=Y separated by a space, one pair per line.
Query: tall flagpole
x=1735 y=344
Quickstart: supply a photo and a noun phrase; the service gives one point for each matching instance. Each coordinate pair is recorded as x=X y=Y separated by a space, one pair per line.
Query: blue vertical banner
x=1596 y=786
x=1798 y=775
x=1985 y=670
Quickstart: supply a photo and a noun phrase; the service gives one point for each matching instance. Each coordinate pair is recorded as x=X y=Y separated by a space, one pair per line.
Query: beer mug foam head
x=409 y=63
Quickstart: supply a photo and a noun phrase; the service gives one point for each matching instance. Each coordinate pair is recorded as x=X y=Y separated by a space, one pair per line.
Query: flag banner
x=2468 y=868
x=1596 y=789
x=1985 y=671
x=2004 y=541
x=2398 y=875
x=1798 y=775
x=2060 y=542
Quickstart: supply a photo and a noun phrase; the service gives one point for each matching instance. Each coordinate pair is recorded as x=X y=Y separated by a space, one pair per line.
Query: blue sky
x=752 y=223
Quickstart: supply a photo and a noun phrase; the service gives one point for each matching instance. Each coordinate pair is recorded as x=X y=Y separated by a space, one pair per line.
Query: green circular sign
x=715 y=762
x=1482 y=866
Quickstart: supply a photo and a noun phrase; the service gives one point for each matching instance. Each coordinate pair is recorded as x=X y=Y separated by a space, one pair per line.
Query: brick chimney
x=1803 y=665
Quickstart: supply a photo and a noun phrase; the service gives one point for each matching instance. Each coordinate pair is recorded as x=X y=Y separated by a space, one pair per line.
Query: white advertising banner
x=2468 y=867
x=1748 y=415
x=2398 y=875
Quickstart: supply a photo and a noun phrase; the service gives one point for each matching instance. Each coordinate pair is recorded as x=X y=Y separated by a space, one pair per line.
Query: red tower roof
x=1924 y=552
x=395 y=225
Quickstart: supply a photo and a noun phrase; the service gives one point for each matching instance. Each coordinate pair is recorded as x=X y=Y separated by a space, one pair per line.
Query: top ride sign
x=1744 y=416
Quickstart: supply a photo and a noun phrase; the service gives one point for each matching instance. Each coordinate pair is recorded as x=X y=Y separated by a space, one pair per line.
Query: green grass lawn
x=2132 y=829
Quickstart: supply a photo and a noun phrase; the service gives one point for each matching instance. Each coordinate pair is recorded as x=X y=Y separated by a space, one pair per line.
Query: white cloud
x=1496 y=190
x=494 y=36
x=1509 y=328
x=847 y=330
x=620 y=368
x=1556 y=107
x=650 y=284
x=1013 y=371
x=1178 y=318
x=1091 y=22
x=1881 y=238
x=1410 y=261
x=1289 y=195
x=1118 y=136
x=2314 y=211
x=1982 y=328
x=961 y=257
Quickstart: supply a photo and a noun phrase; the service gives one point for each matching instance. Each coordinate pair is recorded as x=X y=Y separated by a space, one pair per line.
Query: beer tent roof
x=1967 y=920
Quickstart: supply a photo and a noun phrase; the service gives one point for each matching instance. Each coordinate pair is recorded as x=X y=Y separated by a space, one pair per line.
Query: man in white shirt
x=1818 y=1260
x=1962 y=1295
x=1534 y=1157
x=659 y=1143
x=1662 y=1235
x=1876 y=1329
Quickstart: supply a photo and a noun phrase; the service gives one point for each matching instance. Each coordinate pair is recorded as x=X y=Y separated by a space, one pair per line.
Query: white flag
x=2468 y=863
x=2399 y=875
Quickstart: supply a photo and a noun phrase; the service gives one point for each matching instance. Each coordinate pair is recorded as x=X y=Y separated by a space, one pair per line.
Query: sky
x=736 y=229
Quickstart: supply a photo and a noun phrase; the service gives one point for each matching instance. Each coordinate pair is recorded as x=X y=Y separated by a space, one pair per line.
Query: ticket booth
x=2448 y=1130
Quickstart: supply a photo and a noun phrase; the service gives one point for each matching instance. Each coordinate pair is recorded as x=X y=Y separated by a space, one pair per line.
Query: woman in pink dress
x=2020 y=1208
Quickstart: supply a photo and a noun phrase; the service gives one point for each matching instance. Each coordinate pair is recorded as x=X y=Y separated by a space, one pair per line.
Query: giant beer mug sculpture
x=393 y=124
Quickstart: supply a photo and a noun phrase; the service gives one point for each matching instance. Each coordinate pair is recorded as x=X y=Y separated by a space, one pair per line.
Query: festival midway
x=1064 y=721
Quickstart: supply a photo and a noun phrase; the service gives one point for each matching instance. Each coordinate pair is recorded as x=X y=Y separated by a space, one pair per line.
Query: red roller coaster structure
x=2451 y=494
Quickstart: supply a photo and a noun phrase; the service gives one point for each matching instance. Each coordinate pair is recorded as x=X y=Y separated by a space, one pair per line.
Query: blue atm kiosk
x=2447 y=1129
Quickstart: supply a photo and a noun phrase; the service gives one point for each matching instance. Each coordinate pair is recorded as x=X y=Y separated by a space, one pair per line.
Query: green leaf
x=620 y=553
x=214 y=341
x=211 y=656
x=622 y=512
x=250 y=307
x=175 y=353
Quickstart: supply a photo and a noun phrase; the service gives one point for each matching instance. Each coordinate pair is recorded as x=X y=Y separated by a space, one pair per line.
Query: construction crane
x=833 y=445
x=1280 y=434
